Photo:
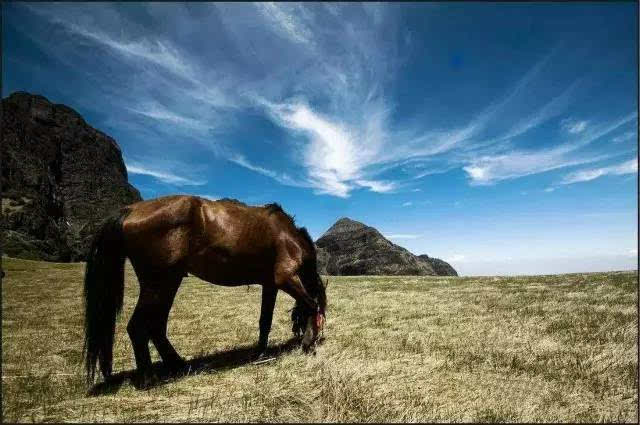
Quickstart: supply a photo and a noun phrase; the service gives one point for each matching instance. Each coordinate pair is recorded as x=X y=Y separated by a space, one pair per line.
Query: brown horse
x=224 y=242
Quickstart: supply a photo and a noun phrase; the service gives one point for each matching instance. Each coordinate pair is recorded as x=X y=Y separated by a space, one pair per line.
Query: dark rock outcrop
x=60 y=178
x=352 y=248
x=442 y=268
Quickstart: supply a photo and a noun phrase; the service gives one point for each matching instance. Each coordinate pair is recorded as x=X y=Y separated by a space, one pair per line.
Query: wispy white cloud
x=159 y=112
x=420 y=144
x=344 y=154
x=629 y=135
x=134 y=167
x=285 y=20
x=333 y=8
x=407 y=204
x=378 y=186
x=336 y=155
x=491 y=169
x=142 y=52
x=280 y=177
x=627 y=167
x=452 y=138
x=161 y=53
x=428 y=171
x=595 y=133
x=157 y=52
x=573 y=126
x=329 y=91
x=553 y=108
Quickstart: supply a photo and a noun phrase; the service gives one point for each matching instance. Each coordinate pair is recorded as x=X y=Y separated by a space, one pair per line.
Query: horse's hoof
x=144 y=381
x=178 y=366
x=309 y=349
x=181 y=368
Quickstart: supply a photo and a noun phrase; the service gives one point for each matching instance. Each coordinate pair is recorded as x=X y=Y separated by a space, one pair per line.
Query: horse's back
x=157 y=231
x=233 y=243
x=167 y=210
x=223 y=241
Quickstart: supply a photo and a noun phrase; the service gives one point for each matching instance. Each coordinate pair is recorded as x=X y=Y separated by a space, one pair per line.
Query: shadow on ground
x=222 y=360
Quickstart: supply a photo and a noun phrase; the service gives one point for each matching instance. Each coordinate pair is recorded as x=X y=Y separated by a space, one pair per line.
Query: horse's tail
x=103 y=293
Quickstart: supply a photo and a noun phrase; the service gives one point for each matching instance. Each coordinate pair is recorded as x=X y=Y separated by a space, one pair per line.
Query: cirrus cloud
x=627 y=167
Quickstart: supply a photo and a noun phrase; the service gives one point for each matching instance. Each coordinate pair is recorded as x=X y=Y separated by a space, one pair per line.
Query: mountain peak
x=345 y=224
x=350 y=247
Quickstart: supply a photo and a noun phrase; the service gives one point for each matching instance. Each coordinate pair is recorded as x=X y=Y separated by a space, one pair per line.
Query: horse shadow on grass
x=220 y=361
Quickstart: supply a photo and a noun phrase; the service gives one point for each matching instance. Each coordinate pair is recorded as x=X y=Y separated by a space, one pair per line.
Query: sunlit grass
x=538 y=348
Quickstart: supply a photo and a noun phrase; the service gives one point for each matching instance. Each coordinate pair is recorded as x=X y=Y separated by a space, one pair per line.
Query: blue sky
x=500 y=137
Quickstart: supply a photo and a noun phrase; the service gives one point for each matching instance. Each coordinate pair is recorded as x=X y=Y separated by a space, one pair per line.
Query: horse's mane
x=274 y=207
x=305 y=234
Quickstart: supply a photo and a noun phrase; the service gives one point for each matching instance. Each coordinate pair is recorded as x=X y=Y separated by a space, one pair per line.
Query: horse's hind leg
x=169 y=355
x=149 y=321
x=139 y=333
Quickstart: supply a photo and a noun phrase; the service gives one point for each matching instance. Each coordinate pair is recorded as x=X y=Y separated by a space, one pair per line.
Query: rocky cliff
x=352 y=248
x=442 y=268
x=60 y=177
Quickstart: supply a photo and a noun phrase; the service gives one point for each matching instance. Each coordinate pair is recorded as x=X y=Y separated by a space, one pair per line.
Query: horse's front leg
x=269 y=293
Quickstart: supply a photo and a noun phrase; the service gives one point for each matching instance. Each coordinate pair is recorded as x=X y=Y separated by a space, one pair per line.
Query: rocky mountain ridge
x=60 y=177
x=353 y=248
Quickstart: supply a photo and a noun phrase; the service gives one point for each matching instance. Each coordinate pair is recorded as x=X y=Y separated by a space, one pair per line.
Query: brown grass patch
x=411 y=349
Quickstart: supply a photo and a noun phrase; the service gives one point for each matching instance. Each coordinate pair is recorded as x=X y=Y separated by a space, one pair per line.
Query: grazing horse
x=223 y=242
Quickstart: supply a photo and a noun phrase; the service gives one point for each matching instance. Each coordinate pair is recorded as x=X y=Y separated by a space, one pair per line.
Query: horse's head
x=309 y=324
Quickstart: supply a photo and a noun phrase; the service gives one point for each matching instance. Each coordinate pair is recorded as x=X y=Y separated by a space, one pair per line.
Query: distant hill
x=353 y=248
x=442 y=268
x=60 y=177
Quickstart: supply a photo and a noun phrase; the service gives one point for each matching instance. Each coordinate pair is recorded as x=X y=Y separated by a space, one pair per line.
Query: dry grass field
x=540 y=348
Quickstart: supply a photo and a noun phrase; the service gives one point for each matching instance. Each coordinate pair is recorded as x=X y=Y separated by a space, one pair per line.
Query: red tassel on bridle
x=318 y=322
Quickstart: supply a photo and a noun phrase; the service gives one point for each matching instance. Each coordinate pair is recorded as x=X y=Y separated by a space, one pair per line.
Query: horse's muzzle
x=314 y=327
